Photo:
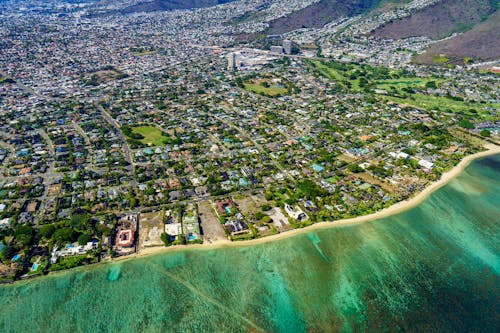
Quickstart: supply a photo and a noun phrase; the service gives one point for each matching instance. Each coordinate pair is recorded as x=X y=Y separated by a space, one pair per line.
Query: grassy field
x=342 y=77
x=343 y=74
x=143 y=53
x=152 y=135
x=268 y=91
x=339 y=76
x=329 y=72
x=440 y=59
x=442 y=103
x=415 y=82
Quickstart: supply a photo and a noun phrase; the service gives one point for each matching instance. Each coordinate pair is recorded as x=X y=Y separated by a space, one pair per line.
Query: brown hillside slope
x=148 y=6
x=480 y=43
x=321 y=13
x=439 y=20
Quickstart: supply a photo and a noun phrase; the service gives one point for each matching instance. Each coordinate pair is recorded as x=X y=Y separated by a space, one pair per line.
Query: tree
x=485 y=133
x=79 y=221
x=24 y=234
x=7 y=253
x=64 y=235
x=133 y=202
x=355 y=168
x=24 y=230
x=84 y=239
x=47 y=230
x=431 y=85
x=465 y=123
x=164 y=238
x=363 y=82
x=259 y=215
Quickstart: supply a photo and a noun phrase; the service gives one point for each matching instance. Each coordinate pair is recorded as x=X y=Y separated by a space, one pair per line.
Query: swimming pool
x=34 y=267
x=16 y=257
x=192 y=237
x=228 y=210
x=318 y=168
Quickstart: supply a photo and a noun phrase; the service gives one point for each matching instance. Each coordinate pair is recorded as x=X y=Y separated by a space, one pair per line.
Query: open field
x=210 y=224
x=442 y=103
x=103 y=75
x=328 y=71
x=249 y=205
x=269 y=91
x=351 y=74
x=415 y=82
x=265 y=86
x=152 y=135
x=150 y=229
x=342 y=73
x=143 y=53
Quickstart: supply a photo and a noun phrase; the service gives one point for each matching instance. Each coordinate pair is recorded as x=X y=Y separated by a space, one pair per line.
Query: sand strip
x=392 y=210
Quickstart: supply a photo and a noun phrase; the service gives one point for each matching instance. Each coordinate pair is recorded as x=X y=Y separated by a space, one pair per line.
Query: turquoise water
x=434 y=268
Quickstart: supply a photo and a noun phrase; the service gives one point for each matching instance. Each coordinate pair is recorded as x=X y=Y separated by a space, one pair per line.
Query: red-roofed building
x=125 y=238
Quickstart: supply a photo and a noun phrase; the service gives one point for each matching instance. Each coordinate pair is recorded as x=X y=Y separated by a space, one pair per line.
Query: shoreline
x=397 y=208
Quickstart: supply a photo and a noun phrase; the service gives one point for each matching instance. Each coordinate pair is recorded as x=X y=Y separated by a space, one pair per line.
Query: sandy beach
x=392 y=210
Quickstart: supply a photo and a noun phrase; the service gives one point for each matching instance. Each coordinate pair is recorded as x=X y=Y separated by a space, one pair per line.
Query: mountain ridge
x=439 y=20
x=167 y=5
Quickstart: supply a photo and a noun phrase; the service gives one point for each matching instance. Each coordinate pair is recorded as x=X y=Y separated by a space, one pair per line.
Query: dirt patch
x=372 y=180
x=438 y=20
x=209 y=222
x=250 y=205
x=280 y=221
x=151 y=227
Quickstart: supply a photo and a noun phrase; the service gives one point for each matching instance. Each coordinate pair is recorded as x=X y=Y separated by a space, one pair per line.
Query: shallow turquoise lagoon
x=434 y=268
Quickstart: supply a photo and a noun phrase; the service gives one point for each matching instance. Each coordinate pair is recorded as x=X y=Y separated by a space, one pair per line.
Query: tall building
x=231 y=61
x=287 y=46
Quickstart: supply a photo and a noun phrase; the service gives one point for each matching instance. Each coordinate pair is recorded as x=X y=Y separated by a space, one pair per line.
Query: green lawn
x=336 y=75
x=442 y=103
x=143 y=53
x=416 y=82
x=269 y=91
x=327 y=71
x=152 y=135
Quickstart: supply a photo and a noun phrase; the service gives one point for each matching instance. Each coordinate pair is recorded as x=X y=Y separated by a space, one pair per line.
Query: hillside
x=321 y=13
x=163 y=5
x=479 y=43
x=440 y=20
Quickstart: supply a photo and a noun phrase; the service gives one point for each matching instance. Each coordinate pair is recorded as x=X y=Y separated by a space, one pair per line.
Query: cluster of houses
x=319 y=150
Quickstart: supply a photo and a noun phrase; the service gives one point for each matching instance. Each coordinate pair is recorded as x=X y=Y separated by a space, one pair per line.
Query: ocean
x=433 y=268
